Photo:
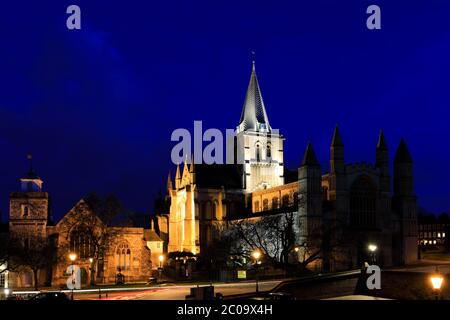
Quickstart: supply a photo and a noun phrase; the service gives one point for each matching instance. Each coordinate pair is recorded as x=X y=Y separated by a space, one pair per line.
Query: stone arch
x=122 y=256
x=275 y=203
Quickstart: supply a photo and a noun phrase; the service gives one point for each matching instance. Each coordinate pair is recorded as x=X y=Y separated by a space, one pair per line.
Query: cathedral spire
x=337 y=140
x=169 y=182
x=309 y=158
x=403 y=155
x=254 y=116
x=381 y=141
x=177 y=177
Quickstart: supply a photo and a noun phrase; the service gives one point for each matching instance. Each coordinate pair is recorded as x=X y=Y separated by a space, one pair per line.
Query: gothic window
x=269 y=151
x=123 y=257
x=265 y=204
x=363 y=203
x=285 y=201
x=80 y=243
x=29 y=186
x=258 y=152
x=325 y=193
x=256 y=206
x=275 y=203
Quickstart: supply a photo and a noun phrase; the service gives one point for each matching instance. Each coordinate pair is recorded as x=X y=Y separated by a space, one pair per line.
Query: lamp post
x=91 y=269
x=436 y=281
x=256 y=255
x=372 y=249
x=160 y=269
x=73 y=257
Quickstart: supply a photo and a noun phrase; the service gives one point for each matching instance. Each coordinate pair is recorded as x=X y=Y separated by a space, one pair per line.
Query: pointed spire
x=254 y=116
x=177 y=174
x=382 y=145
x=309 y=158
x=337 y=140
x=403 y=155
x=169 y=182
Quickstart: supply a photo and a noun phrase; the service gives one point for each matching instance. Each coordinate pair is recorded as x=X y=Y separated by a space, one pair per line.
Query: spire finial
x=253 y=59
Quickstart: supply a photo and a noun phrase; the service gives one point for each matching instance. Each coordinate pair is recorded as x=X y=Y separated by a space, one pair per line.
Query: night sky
x=96 y=107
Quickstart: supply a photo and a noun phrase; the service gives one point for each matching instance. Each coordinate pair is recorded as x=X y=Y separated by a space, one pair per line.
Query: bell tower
x=258 y=147
x=28 y=208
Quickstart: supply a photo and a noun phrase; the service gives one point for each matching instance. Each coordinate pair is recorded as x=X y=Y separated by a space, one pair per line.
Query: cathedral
x=101 y=251
x=357 y=197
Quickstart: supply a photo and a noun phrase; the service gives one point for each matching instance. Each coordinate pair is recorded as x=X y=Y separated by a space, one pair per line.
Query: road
x=177 y=292
x=427 y=267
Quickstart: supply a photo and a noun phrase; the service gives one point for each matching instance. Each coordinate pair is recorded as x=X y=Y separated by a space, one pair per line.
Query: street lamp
x=436 y=281
x=91 y=269
x=73 y=257
x=256 y=255
x=372 y=248
x=160 y=269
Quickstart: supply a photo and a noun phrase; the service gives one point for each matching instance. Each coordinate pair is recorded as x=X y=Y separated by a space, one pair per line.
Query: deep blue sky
x=96 y=107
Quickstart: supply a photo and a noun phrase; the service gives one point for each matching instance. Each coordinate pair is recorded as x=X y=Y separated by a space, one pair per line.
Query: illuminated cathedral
x=370 y=204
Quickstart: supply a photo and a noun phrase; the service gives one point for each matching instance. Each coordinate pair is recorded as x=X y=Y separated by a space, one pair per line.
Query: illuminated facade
x=132 y=251
x=355 y=199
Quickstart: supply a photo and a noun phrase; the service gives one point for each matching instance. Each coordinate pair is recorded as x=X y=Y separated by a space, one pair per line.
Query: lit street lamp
x=372 y=249
x=73 y=257
x=256 y=255
x=160 y=269
x=91 y=269
x=436 y=281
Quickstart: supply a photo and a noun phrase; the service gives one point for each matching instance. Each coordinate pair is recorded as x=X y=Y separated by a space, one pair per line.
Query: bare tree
x=32 y=253
x=276 y=236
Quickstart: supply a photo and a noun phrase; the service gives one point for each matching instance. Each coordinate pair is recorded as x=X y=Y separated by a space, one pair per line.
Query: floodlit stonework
x=348 y=201
x=132 y=251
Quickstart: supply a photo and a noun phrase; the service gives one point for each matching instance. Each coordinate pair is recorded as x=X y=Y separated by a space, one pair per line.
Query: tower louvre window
x=269 y=151
x=25 y=210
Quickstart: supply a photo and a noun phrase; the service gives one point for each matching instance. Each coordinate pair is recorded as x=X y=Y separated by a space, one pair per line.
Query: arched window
x=123 y=257
x=275 y=203
x=80 y=243
x=258 y=152
x=269 y=151
x=256 y=206
x=25 y=210
x=325 y=193
x=265 y=204
x=363 y=203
